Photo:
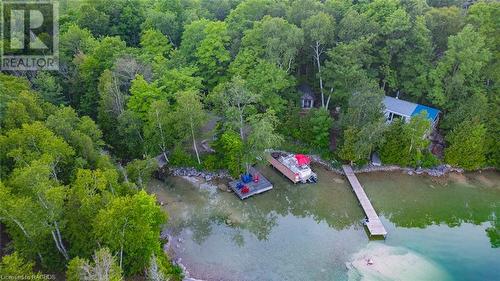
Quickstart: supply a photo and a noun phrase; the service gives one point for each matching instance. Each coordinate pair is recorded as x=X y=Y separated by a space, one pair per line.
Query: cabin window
x=307 y=103
x=396 y=116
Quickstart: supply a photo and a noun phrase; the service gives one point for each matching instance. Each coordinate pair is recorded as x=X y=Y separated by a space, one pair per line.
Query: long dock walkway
x=374 y=225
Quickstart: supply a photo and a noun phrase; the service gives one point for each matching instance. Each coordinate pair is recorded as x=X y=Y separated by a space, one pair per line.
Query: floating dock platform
x=262 y=185
x=373 y=223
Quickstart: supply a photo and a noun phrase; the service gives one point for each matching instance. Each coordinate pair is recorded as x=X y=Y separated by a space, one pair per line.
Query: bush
x=429 y=160
x=211 y=162
x=230 y=147
x=180 y=158
x=320 y=124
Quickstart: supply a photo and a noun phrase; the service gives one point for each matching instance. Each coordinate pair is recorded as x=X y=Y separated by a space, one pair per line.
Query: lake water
x=439 y=229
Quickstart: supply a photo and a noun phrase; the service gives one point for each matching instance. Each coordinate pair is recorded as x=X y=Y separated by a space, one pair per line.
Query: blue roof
x=432 y=113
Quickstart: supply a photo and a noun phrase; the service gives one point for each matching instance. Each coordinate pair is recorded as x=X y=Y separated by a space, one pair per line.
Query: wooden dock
x=373 y=223
x=255 y=187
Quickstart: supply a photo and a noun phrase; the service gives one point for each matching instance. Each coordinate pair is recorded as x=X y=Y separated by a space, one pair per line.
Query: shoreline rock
x=208 y=176
x=437 y=171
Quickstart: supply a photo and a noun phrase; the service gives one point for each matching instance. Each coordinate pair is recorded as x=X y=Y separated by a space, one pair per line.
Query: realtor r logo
x=29 y=35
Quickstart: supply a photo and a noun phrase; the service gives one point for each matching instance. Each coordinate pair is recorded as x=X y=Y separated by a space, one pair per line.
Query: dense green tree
x=11 y=87
x=246 y=13
x=442 y=23
x=392 y=22
x=142 y=95
x=337 y=8
x=348 y=151
x=91 y=18
x=112 y=102
x=113 y=18
x=180 y=79
x=416 y=132
x=89 y=193
x=466 y=145
x=230 y=147
x=24 y=108
x=90 y=68
x=129 y=226
x=154 y=43
x=212 y=57
x=235 y=102
x=38 y=182
x=130 y=129
x=444 y=3
x=459 y=73
x=484 y=16
x=492 y=123
x=355 y=26
x=364 y=115
x=21 y=225
x=343 y=71
x=394 y=149
x=74 y=270
x=263 y=136
x=415 y=61
x=75 y=43
x=19 y=147
x=301 y=10
x=81 y=133
x=49 y=88
x=274 y=84
x=320 y=125
x=141 y=171
x=275 y=40
x=167 y=17
x=14 y=266
x=193 y=35
x=219 y=9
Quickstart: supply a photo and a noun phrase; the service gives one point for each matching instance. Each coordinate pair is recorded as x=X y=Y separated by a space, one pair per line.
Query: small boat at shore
x=293 y=166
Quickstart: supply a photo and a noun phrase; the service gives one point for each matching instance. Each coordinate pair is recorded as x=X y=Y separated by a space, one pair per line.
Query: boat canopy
x=302 y=159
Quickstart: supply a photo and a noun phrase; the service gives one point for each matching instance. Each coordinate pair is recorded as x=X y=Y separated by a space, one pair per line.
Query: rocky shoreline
x=437 y=171
x=193 y=172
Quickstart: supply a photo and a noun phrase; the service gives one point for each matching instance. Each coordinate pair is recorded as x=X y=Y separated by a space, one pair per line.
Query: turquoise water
x=446 y=228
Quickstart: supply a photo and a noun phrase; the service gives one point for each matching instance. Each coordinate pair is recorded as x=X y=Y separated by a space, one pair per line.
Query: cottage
x=307 y=97
x=396 y=108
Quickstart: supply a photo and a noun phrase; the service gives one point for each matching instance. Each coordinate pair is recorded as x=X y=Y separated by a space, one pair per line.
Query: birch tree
x=263 y=136
x=129 y=226
x=319 y=32
x=103 y=267
x=158 y=128
x=189 y=113
x=235 y=101
x=37 y=183
x=275 y=40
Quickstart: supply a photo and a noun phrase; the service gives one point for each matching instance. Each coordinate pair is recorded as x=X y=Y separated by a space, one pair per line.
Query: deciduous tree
x=129 y=226
x=190 y=115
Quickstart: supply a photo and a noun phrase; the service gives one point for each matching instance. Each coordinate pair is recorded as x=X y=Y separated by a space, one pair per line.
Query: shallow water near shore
x=439 y=228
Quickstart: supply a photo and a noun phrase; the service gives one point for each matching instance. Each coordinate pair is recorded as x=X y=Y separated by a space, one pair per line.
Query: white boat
x=293 y=166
